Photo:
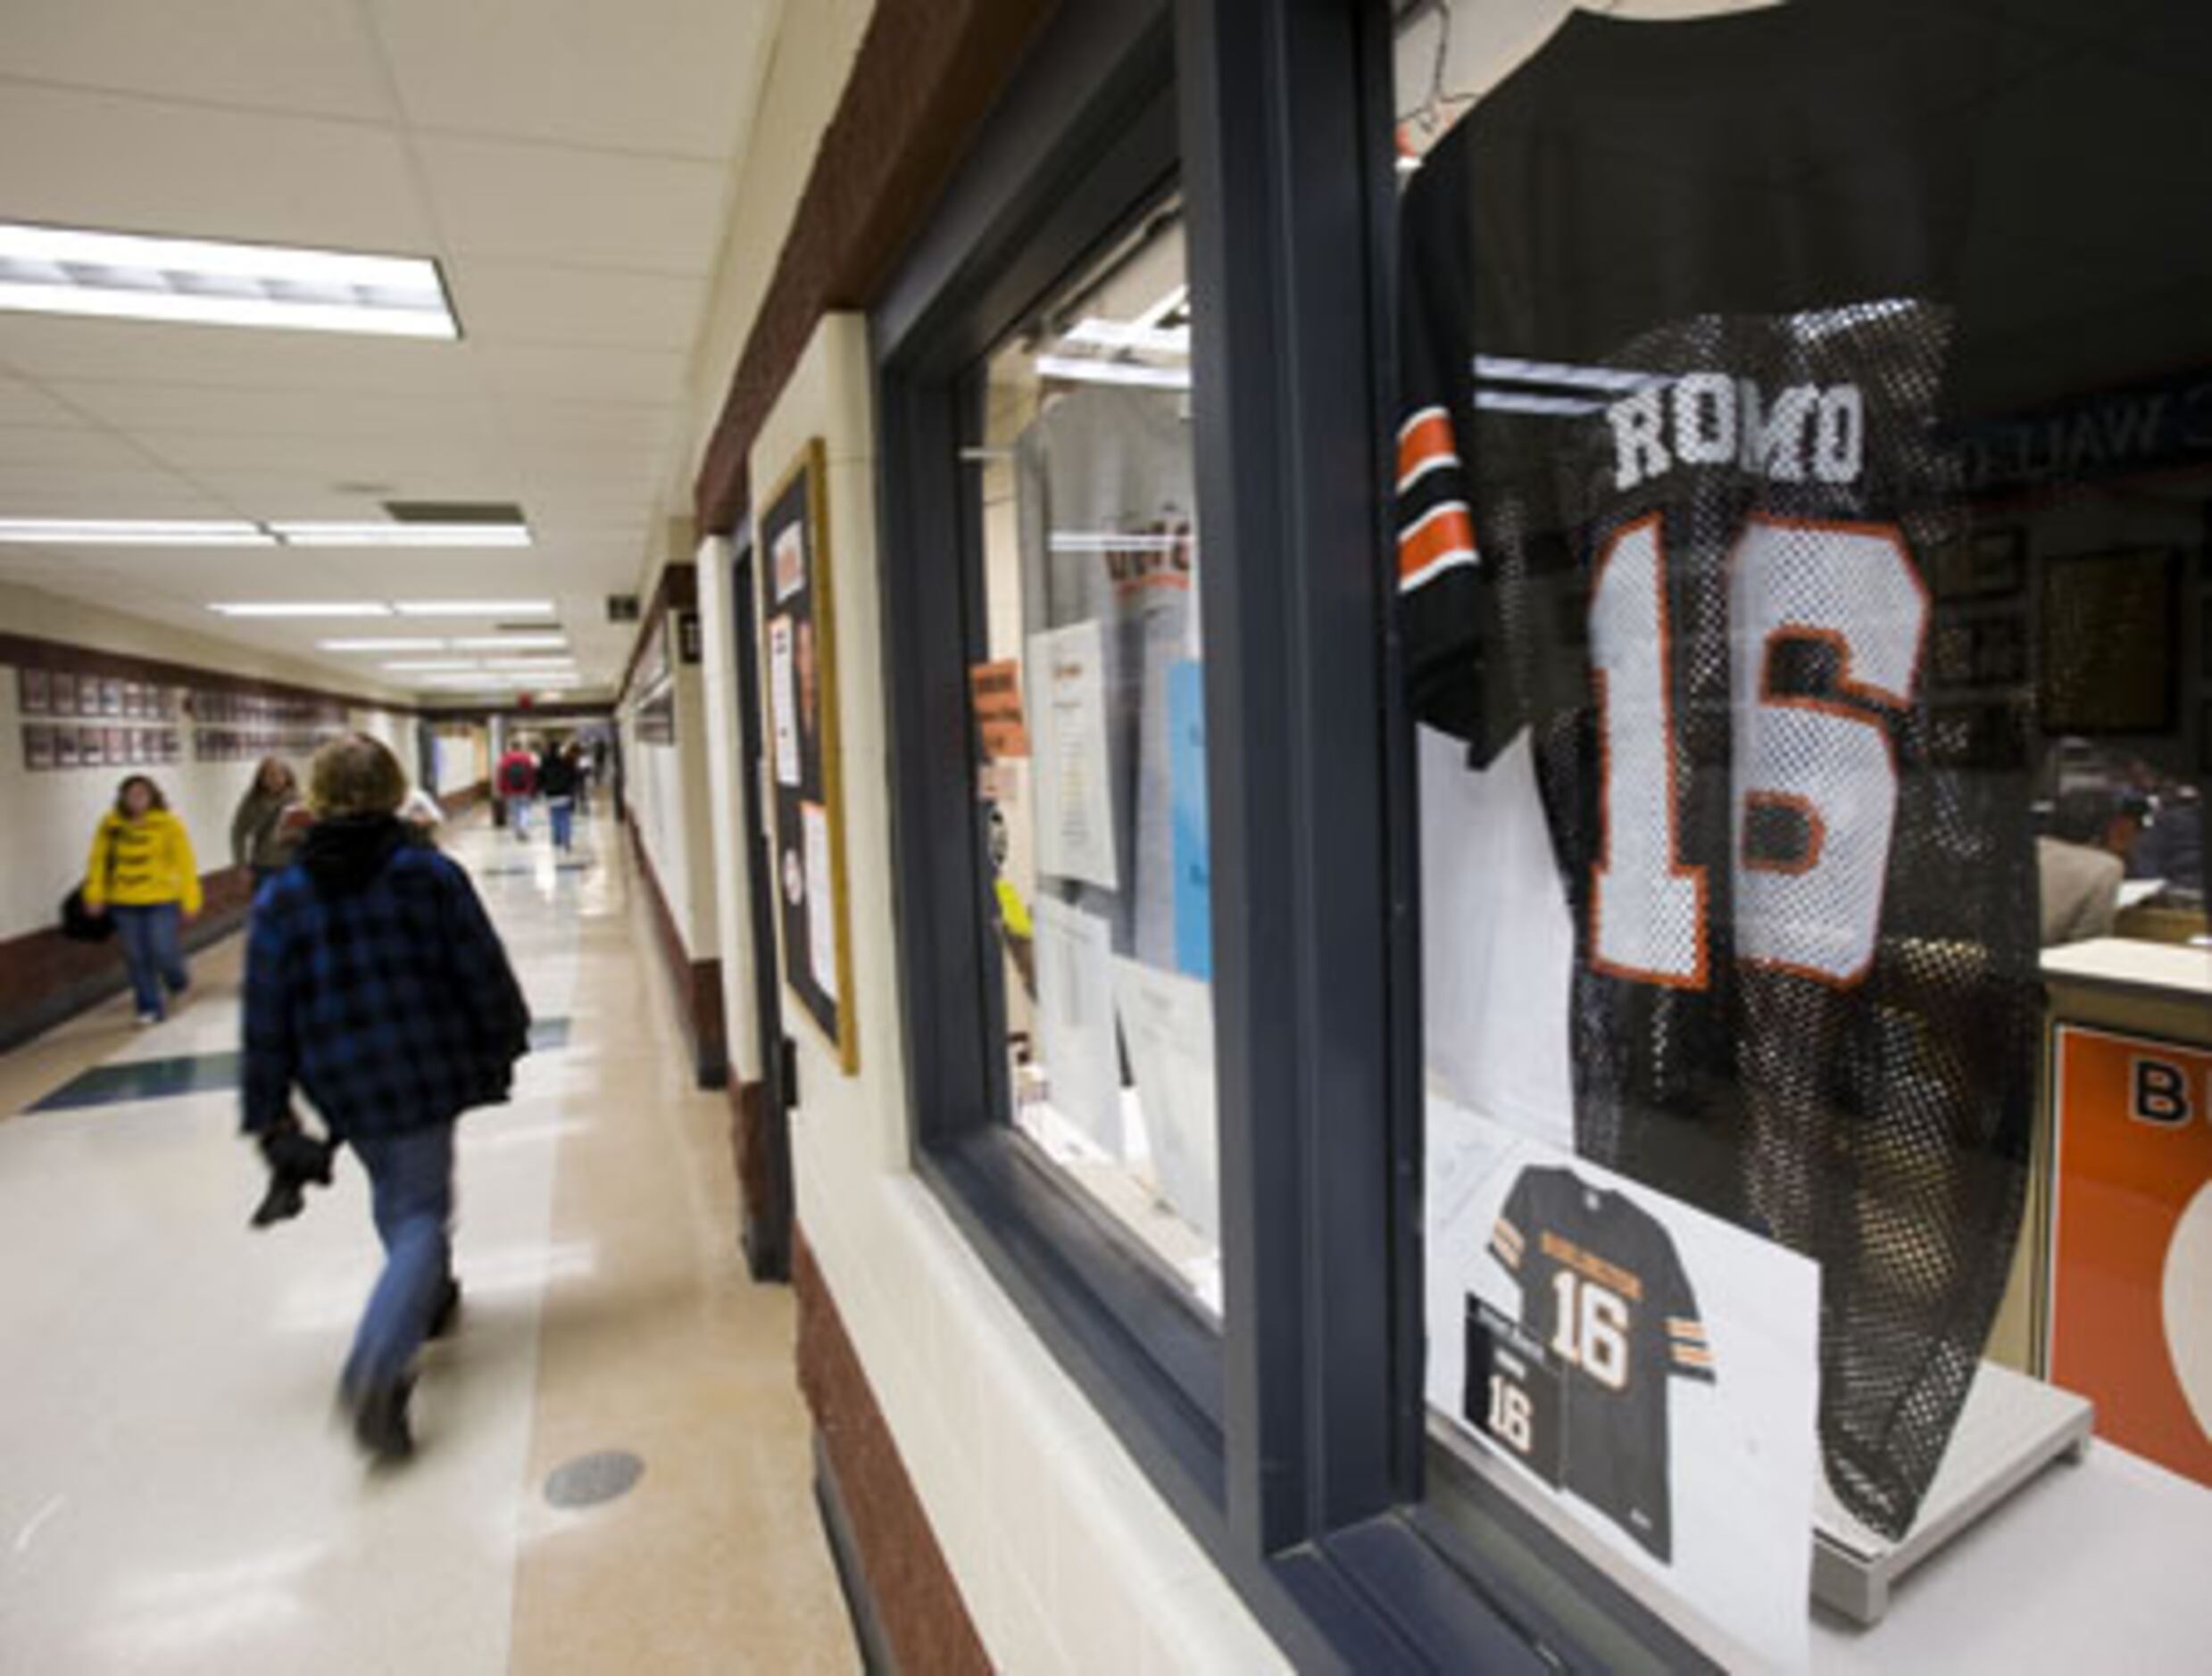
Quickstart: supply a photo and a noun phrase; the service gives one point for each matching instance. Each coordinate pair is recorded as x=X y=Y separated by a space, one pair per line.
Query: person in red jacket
x=516 y=781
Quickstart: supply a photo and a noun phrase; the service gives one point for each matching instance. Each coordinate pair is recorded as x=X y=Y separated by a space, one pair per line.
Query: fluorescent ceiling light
x=397 y=642
x=137 y=532
x=543 y=665
x=425 y=665
x=1159 y=340
x=474 y=608
x=1082 y=371
x=125 y=276
x=511 y=642
x=395 y=535
x=302 y=607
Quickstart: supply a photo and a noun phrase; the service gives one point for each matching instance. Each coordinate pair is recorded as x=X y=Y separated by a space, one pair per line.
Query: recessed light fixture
x=426 y=666
x=474 y=608
x=389 y=534
x=1104 y=334
x=302 y=607
x=397 y=642
x=544 y=666
x=129 y=275
x=137 y=532
x=1079 y=369
x=510 y=642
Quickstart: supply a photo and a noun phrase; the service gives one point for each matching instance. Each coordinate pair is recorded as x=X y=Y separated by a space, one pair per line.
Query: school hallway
x=177 y=1494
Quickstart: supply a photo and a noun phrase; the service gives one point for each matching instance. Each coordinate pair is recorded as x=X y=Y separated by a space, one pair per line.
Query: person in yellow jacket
x=141 y=873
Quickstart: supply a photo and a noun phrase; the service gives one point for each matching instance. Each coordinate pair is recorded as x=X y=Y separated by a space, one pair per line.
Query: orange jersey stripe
x=1446 y=532
x=1424 y=439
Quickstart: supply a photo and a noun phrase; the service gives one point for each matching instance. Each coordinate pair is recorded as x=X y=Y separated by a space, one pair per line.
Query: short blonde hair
x=356 y=774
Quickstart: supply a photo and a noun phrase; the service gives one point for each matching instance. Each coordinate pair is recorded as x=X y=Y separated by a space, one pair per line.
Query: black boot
x=447 y=1315
x=380 y=1421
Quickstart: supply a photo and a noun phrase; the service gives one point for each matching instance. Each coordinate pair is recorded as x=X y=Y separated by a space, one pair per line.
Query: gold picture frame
x=798 y=666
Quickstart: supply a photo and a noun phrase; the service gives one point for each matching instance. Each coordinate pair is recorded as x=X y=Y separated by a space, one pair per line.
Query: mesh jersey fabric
x=1571 y=1246
x=1678 y=309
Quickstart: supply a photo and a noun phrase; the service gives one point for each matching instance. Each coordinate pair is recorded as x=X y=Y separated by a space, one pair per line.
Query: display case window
x=1090 y=747
x=1799 y=548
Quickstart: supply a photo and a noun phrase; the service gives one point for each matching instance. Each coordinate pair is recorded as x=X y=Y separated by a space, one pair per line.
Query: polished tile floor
x=174 y=1493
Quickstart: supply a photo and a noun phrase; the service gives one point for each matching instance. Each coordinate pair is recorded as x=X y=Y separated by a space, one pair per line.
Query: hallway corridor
x=175 y=1492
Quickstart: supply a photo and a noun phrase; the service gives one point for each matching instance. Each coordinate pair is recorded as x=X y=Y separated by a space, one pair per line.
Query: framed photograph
x=92 y=747
x=33 y=691
x=65 y=751
x=117 y=749
x=172 y=750
x=2110 y=640
x=134 y=702
x=37 y=747
x=799 y=628
x=64 y=692
x=1982 y=564
x=111 y=695
x=137 y=750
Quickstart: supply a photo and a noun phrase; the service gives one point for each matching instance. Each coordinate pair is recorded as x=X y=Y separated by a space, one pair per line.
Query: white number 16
x=1829 y=765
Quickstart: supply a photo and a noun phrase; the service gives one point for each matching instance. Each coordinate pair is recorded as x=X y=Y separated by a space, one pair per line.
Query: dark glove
x=296 y=1158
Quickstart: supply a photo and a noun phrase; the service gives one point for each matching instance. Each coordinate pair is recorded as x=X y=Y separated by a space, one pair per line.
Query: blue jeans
x=410 y=1183
x=519 y=816
x=563 y=813
x=152 y=952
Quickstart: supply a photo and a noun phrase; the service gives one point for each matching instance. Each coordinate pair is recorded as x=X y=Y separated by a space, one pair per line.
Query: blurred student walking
x=376 y=985
x=141 y=873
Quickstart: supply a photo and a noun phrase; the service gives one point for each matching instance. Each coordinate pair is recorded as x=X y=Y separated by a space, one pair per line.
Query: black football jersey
x=1605 y=1295
x=1677 y=315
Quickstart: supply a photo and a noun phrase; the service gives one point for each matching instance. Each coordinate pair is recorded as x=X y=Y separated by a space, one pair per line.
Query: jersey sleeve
x=1436 y=559
x=1689 y=1351
x=1509 y=1235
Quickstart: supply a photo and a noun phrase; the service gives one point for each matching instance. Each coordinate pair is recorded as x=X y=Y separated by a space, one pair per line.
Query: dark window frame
x=1292 y=1442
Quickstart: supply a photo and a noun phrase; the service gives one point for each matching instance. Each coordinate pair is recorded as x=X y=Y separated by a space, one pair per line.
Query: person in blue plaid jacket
x=375 y=984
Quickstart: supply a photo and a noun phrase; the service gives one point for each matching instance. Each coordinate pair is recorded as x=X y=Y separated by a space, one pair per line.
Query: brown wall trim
x=466 y=799
x=30 y=653
x=45 y=978
x=926 y=73
x=698 y=983
x=905 y=1588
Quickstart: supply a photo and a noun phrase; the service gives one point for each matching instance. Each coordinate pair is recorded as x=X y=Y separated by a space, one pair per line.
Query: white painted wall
x=667 y=790
x=1067 y=1558
x=725 y=806
x=49 y=816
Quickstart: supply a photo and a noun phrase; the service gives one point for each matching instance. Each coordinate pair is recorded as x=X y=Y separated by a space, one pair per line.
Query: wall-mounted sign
x=799 y=625
x=2131 y=1309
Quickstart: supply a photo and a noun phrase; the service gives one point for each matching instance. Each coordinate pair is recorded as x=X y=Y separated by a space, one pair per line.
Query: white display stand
x=2012 y=1427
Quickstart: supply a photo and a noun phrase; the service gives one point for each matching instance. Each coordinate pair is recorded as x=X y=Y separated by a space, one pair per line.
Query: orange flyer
x=2131 y=1324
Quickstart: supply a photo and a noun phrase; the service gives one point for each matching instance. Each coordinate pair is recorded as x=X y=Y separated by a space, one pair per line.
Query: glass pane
x=1803 y=487
x=1090 y=737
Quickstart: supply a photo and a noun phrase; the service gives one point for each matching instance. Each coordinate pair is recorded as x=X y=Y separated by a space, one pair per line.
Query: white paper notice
x=1167 y=1019
x=821 y=905
x=1066 y=693
x=782 y=701
x=1074 y=964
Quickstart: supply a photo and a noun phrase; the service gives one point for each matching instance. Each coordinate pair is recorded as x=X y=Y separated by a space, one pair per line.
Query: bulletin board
x=799 y=666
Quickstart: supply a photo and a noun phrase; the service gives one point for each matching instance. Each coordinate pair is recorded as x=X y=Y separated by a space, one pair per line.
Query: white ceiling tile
x=668 y=76
x=105 y=161
x=115 y=491
x=558 y=205
x=43 y=346
x=303 y=55
x=22 y=404
x=334 y=413
x=647 y=377
x=499 y=301
x=42 y=445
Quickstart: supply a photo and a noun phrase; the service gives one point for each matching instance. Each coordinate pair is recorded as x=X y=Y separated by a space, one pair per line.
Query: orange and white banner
x=2131 y=1324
